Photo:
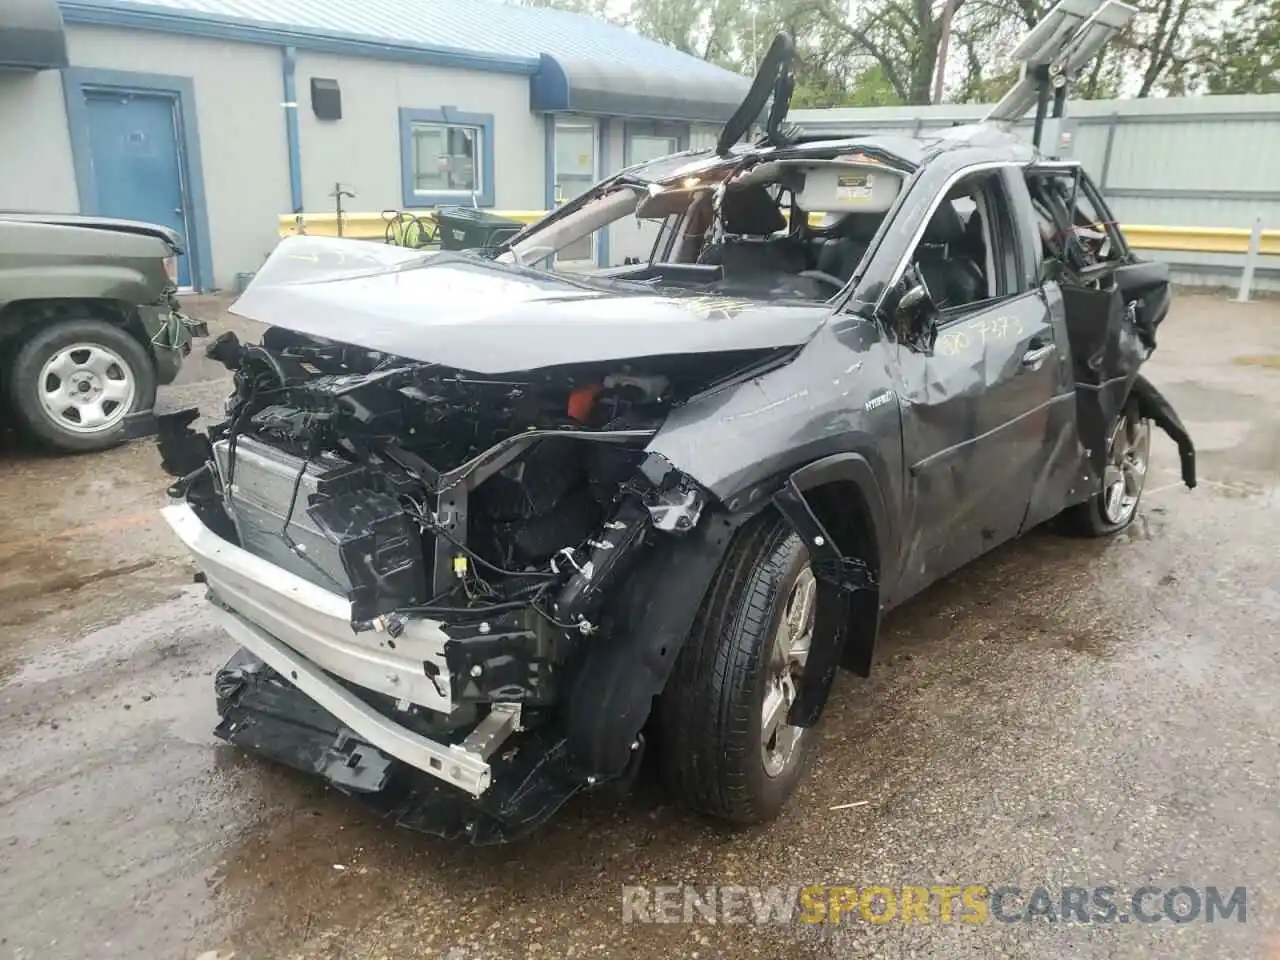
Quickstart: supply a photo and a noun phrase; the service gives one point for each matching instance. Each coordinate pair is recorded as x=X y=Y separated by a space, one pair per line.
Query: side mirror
x=915 y=315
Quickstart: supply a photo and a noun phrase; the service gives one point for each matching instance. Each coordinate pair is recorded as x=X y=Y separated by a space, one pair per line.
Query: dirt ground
x=1062 y=712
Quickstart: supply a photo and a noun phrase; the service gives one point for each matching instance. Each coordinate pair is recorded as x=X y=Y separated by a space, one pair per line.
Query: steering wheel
x=824 y=277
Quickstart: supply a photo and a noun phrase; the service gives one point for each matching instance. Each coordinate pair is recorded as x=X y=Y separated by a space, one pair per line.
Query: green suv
x=90 y=325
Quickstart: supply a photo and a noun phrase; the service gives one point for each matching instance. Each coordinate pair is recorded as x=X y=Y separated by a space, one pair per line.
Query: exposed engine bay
x=503 y=508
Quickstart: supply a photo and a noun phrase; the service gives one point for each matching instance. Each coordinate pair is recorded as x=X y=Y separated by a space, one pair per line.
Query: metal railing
x=416 y=229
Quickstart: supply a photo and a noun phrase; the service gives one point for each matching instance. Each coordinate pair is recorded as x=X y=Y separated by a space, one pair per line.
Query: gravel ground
x=1061 y=713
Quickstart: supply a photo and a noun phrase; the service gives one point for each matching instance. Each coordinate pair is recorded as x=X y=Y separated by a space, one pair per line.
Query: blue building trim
x=121 y=13
x=289 y=64
x=596 y=86
x=604 y=168
x=76 y=81
x=602 y=88
x=549 y=87
x=409 y=116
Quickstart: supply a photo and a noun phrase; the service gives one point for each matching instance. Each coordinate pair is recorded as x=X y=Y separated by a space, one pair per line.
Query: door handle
x=1037 y=355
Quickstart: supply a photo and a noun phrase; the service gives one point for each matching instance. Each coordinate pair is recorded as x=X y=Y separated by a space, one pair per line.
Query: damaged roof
x=575 y=62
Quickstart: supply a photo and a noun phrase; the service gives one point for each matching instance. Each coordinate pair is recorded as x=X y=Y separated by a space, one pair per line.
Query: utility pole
x=948 y=11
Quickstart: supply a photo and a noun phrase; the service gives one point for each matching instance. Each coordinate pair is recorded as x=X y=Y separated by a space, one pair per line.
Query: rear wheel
x=73 y=383
x=1115 y=504
x=726 y=747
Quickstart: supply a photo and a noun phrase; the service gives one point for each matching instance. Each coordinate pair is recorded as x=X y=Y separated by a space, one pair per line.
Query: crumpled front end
x=421 y=566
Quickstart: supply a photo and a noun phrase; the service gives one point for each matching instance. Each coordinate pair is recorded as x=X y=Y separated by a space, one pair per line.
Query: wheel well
x=19 y=316
x=842 y=509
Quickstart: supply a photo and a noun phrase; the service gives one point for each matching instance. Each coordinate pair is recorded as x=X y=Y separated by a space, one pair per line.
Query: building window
x=651 y=148
x=446 y=157
x=649 y=141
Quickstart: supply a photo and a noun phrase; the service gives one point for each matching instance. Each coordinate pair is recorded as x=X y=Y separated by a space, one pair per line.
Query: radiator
x=258 y=494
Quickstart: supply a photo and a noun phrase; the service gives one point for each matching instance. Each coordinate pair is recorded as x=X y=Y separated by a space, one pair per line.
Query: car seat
x=953 y=278
x=840 y=254
x=749 y=253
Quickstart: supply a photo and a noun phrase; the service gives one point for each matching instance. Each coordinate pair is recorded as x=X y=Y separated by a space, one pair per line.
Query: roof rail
x=1069 y=36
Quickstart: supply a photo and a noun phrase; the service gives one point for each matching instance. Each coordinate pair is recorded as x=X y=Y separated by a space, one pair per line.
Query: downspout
x=289 y=64
x=549 y=158
x=605 y=168
x=549 y=161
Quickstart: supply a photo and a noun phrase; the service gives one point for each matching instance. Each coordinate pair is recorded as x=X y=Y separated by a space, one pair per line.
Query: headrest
x=857 y=226
x=751 y=211
x=945 y=226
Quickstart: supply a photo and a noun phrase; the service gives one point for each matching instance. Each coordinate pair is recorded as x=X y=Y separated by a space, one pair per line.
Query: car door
x=1093 y=247
x=981 y=407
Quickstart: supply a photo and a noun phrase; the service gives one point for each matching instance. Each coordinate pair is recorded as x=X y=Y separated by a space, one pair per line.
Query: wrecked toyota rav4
x=486 y=527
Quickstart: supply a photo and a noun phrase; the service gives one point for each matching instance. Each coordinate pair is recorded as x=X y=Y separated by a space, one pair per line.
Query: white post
x=1250 y=261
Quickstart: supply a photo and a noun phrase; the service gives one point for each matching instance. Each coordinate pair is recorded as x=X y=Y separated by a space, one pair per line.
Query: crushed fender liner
x=840 y=580
x=612 y=696
x=1152 y=404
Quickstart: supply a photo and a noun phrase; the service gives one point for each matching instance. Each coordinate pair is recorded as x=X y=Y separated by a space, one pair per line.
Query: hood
x=775 y=79
x=166 y=234
x=473 y=314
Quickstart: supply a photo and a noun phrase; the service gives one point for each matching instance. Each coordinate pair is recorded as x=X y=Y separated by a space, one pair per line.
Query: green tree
x=591 y=8
x=709 y=29
x=1247 y=57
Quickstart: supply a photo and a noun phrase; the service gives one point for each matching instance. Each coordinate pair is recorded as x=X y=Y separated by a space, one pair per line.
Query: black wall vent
x=326 y=99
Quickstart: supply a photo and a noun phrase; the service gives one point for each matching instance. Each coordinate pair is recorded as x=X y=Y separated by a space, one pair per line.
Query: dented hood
x=463 y=311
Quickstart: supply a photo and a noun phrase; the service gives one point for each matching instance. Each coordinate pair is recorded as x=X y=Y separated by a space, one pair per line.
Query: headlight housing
x=171 y=268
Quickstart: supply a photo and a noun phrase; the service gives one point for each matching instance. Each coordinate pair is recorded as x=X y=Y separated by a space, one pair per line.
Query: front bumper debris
x=462 y=765
x=303 y=633
x=170 y=332
x=267 y=714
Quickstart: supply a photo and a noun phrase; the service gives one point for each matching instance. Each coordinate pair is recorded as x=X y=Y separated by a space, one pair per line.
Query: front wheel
x=74 y=382
x=726 y=748
x=1115 y=504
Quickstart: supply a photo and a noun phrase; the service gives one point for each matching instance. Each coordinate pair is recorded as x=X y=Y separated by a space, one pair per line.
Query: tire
x=1115 y=505
x=48 y=373
x=712 y=751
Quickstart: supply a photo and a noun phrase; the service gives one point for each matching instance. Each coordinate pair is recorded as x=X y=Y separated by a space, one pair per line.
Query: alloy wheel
x=779 y=739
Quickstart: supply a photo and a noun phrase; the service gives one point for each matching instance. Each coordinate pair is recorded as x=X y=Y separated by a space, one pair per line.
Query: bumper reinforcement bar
x=458 y=764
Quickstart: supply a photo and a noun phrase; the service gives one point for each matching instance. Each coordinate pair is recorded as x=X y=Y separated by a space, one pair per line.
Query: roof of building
x=576 y=62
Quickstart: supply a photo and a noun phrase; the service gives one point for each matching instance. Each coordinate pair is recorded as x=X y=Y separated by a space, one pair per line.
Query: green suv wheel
x=73 y=383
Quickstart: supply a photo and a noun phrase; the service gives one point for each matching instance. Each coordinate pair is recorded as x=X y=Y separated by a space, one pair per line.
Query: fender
x=125 y=283
x=849 y=588
x=629 y=664
x=1152 y=404
x=855 y=468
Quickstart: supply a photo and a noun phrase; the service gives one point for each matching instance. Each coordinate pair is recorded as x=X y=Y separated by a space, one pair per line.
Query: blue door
x=137 y=168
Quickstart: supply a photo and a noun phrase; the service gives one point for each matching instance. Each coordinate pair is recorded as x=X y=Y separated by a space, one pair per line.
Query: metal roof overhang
x=621 y=90
x=31 y=35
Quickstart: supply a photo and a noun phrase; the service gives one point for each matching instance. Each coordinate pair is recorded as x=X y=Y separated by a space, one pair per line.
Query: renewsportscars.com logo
x=972 y=903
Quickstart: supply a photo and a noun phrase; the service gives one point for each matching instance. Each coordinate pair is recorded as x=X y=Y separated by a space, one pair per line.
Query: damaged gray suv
x=487 y=529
